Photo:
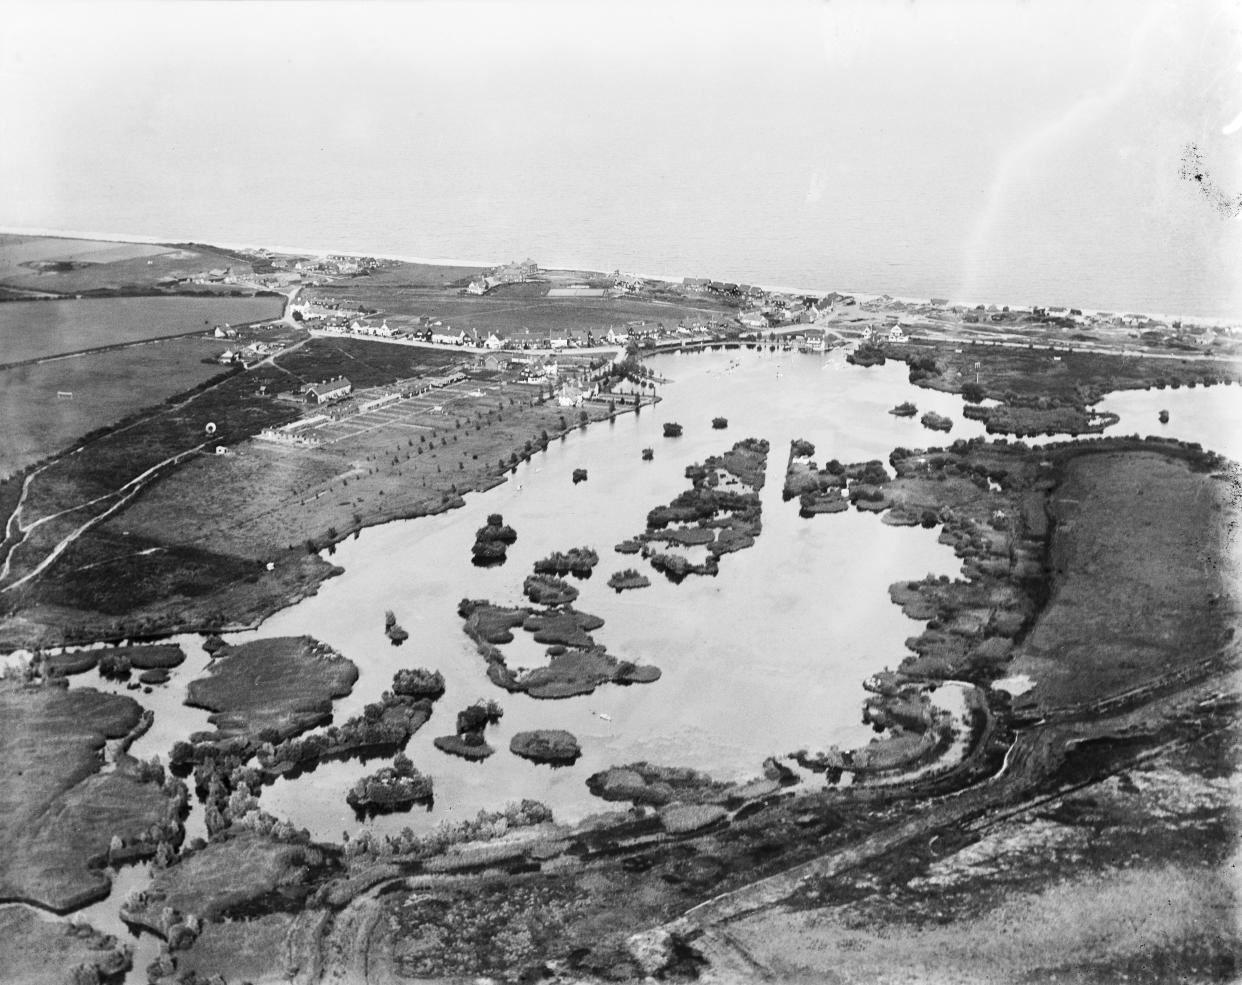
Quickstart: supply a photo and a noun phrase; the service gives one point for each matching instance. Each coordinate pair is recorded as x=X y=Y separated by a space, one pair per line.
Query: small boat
x=602 y=714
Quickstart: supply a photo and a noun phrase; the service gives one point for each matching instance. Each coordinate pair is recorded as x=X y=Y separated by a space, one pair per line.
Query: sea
x=978 y=152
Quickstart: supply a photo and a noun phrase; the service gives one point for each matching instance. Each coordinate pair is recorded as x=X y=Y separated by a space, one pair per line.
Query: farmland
x=37 y=329
x=40 y=417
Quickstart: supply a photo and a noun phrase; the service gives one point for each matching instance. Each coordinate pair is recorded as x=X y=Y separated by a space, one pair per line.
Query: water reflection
x=765 y=658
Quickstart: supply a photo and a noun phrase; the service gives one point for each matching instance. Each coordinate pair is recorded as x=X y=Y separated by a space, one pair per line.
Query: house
x=866 y=333
x=753 y=319
x=447 y=338
x=940 y=302
x=328 y=391
x=227 y=357
x=477 y=286
x=570 y=396
x=492 y=362
x=493 y=341
x=613 y=337
x=895 y=334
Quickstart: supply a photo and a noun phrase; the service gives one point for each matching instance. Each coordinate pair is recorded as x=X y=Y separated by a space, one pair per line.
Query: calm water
x=981 y=152
x=766 y=658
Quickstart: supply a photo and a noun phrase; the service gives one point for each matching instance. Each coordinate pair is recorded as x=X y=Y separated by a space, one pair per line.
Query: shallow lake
x=764 y=659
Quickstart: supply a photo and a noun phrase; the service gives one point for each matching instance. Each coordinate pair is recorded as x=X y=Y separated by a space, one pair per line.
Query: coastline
x=113 y=237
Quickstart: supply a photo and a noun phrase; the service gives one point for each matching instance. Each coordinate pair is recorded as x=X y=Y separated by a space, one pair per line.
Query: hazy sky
x=991 y=133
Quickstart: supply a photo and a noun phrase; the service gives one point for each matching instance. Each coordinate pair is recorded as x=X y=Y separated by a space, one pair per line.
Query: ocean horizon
x=819 y=290
x=986 y=154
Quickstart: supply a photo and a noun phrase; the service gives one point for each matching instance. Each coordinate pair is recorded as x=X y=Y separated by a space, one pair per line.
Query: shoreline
x=113 y=237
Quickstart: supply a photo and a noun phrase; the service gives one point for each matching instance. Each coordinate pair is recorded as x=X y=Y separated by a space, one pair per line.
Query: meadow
x=38 y=329
x=106 y=387
x=79 y=266
x=518 y=318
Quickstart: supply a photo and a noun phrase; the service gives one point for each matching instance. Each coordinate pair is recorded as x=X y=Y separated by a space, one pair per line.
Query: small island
x=394 y=788
x=577 y=561
x=555 y=747
x=905 y=409
x=648 y=454
x=468 y=741
x=672 y=430
x=491 y=542
x=394 y=632
x=720 y=423
x=628 y=579
x=936 y=422
x=580 y=475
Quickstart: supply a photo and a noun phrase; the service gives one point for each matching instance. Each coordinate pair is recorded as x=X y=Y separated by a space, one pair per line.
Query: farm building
x=323 y=393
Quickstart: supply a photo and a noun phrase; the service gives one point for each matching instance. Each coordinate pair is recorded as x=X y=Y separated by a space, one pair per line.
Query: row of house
x=508 y=273
x=246 y=354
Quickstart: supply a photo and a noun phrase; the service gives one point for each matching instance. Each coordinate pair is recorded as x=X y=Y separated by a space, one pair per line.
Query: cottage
x=493 y=341
x=895 y=334
x=447 y=338
x=328 y=391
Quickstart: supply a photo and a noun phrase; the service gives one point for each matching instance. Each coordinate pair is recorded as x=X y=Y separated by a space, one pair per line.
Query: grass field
x=366 y=363
x=99 y=265
x=420 y=275
x=35 y=329
x=106 y=386
x=516 y=318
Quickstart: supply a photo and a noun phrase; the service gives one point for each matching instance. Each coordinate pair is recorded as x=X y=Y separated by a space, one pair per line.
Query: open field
x=418 y=275
x=105 y=386
x=1061 y=377
x=127 y=552
x=78 y=266
x=1119 y=619
x=517 y=317
x=366 y=363
x=36 y=329
x=39 y=951
x=58 y=812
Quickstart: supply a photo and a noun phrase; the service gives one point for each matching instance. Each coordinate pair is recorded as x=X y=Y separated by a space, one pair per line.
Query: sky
x=952 y=142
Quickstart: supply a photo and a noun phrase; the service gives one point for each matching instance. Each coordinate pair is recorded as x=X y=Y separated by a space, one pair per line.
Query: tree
x=973 y=392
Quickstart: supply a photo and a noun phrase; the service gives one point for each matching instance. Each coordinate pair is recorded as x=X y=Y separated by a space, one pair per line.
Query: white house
x=866 y=333
x=895 y=334
x=493 y=341
x=445 y=338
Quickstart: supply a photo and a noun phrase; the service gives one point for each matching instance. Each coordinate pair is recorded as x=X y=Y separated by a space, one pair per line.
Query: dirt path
x=135 y=486
x=1033 y=758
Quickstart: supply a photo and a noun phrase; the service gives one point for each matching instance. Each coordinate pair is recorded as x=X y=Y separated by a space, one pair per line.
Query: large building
x=324 y=393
